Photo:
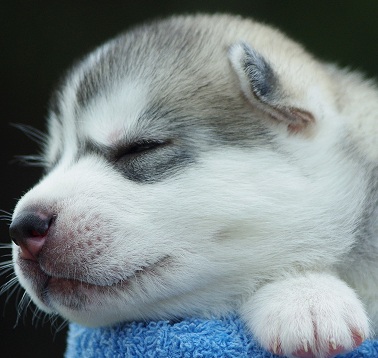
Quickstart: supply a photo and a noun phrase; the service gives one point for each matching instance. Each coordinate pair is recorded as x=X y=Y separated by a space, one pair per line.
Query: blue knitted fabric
x=225 y=337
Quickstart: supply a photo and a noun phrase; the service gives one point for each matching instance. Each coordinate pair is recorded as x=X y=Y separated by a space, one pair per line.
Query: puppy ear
x=262 y=87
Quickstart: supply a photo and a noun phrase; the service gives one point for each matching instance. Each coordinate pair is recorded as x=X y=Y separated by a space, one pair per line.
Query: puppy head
x=162 y=173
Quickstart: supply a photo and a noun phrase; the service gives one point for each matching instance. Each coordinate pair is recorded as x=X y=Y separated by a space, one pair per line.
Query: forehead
x=108 y=119
x=163 y=77
x=117 y=91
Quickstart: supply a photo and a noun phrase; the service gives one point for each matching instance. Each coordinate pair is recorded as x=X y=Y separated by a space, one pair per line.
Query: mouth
x=77 y=294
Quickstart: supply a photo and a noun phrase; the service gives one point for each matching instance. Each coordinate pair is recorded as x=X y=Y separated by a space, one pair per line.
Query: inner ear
x=263 y=88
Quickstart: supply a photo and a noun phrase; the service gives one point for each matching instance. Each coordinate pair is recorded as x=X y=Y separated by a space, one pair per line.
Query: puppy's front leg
x=308 y=315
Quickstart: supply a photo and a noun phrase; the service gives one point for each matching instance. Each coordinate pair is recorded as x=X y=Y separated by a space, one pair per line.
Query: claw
x=304 y=352
x=333 y=344
x=305 y=346
x=335 y=349
x=275 y=347
x=358 y=337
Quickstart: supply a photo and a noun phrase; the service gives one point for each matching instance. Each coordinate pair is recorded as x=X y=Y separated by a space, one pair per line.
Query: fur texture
x=201 y=165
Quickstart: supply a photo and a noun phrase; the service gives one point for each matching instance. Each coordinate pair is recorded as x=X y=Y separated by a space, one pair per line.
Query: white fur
x=265 y=231
x=315 y=309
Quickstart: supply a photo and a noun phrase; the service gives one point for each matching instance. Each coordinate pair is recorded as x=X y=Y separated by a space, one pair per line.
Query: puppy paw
x=308 y=316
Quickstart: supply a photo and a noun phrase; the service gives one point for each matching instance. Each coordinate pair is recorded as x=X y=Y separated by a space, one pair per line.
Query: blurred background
x=40 y=39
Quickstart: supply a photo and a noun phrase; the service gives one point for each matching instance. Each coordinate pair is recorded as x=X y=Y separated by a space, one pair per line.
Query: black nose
x=28 y=230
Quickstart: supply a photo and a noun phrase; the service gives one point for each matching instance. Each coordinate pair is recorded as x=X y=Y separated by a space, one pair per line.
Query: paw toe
x=358 y=337
x=334 y=349
x=304 y=352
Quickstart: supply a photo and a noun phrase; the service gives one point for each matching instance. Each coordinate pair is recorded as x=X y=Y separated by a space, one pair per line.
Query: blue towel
x=205 y=338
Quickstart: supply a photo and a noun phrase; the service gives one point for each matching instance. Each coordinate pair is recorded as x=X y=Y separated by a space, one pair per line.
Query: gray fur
x=205 y=164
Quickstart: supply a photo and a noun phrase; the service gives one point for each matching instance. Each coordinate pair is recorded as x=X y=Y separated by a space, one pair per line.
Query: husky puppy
x=206 y=164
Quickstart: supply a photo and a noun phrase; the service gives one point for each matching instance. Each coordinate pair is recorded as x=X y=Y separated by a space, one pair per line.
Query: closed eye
x=140 y=147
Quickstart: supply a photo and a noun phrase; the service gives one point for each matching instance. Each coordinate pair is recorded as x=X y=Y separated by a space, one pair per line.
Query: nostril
x=28 y=230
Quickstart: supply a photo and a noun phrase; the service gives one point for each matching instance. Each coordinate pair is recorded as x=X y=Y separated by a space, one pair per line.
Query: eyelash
x=140 y=147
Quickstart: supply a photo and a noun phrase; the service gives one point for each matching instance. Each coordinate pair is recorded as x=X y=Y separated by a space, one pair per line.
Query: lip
x=76 y=293
x=68 y=284
x=54 y=291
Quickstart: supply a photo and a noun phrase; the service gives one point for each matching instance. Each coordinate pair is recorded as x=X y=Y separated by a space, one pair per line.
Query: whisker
x=58 y=324
x=11 y=287
x=15 y=290
x=24 y=301
x=4 y=256
x=6 y=216
x=6 y=212
x=7 y=263
x=5 y=269
x=32 y=133
x=63 y=325
x=38 y=316
x=6 y=246
x=53 y=320
x=30 y=160
x=8 y=287
x=22 y=306
x=20 y=309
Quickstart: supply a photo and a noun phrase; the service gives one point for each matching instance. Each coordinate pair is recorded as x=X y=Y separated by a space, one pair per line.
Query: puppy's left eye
x=140 y=147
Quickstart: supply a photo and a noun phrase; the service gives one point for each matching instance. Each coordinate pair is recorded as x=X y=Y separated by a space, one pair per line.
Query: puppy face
x=168 y=191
